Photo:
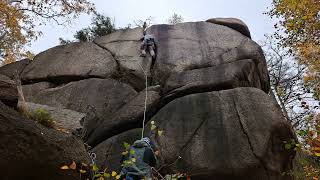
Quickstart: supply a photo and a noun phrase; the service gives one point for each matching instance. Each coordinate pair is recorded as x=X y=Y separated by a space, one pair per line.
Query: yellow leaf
x=152 y=122
x=64 y=167
x=82 y=171
x=95 y=168
x=118 y=177
x=317 y=154
x=113 y=173
x=124 y=153
x=153 y=127
x=133 y=160
x=73 y=165
x=160 y=133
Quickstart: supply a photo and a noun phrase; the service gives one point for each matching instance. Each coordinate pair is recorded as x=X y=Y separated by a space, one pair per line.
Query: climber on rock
x=148 y=44
x=143 y=157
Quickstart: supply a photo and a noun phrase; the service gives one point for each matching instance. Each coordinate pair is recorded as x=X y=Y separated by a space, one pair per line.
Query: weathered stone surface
x=32 y=89
x=125 y=48
x=15 y=68
x=231 y=134
x=233 y=23
x=31 y=151
x=242 y=73
x=65 y=118
x=129 y=116
x=195 y=45
x=109 y=151
x=8 y=91
x=105 y=95
x=121 y=35
x=69 y=62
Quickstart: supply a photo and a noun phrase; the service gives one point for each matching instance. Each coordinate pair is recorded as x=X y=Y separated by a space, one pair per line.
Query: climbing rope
x=145 y=102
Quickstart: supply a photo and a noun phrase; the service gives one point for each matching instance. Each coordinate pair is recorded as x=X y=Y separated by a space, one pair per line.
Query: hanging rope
x=145 y=102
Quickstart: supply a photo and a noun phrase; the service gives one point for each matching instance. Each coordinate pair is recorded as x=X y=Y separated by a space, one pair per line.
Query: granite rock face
x=31 y=151
x=232 y=23
x=70 y=62
x=207 y=92
x=8 y=91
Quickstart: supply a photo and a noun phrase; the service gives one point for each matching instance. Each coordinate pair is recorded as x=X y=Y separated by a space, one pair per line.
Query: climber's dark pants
x=147 y=47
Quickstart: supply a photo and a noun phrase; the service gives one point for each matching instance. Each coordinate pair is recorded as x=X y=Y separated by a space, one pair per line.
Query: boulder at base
x=31 y=151
x=231 y=134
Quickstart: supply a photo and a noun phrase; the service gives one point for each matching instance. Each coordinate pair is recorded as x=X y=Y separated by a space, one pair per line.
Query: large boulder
x=8 y=91
x=106 y=96
x=125 y=48
x=230 y=134
x=31 y=151
x=240 y=73
x=70 y=62
x=65 y=118
x=233 y=23
x=196 y=45
x=129 y=116
x=14 y=69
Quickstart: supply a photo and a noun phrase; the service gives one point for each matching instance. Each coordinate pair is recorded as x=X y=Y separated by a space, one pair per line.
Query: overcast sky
x=126 y=11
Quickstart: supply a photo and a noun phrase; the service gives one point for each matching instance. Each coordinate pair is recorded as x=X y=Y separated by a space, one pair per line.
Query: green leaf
x=124 y=153
x=97 y=175
x=107 y=175
x=287 y=146
x=95 y=168
x=126 y=145
x=132 y=152
x=82 y=171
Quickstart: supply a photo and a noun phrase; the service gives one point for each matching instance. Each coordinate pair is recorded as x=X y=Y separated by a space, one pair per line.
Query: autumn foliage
x=298 y=29
x=19 y=18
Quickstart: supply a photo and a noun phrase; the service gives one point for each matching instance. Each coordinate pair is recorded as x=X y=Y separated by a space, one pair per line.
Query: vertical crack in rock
x=112 y=54
x=183 y=148
x=248 y=138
